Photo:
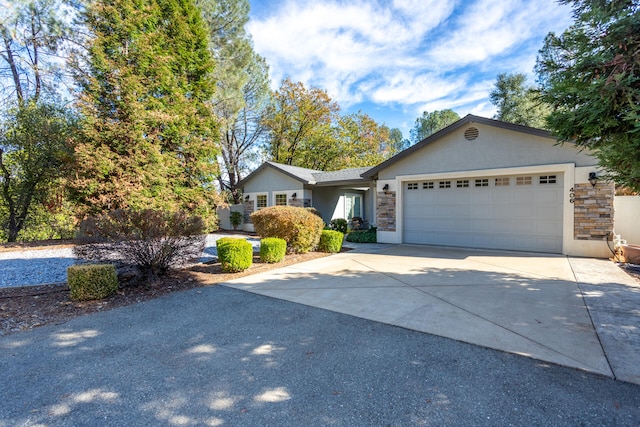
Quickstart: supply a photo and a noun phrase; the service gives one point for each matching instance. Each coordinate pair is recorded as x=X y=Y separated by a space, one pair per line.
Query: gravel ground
x=46 y=266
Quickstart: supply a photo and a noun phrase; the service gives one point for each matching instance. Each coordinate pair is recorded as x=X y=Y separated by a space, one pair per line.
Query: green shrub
x=272 y=249
x=339 y=224
x=368 y=236
x=297 y=226
x=330 y=241
x=234 y=254
x=236 y=219
x=92 y=281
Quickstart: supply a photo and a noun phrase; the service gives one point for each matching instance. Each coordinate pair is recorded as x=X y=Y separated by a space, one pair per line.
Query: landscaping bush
x=234 y=254
x=330 y=241
x=368 y=236
x=297 y=226
x=272 y=249
x=92 y=281
x=339 y=224
x=151 y=241
x=235 y=219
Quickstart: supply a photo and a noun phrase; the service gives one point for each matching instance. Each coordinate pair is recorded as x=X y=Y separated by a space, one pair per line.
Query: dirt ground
x=33 y=306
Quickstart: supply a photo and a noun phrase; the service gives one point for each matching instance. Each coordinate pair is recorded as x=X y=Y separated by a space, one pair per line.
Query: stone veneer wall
x=386 y=211
x=593 y=211
x=249 y=207
x=300 y=203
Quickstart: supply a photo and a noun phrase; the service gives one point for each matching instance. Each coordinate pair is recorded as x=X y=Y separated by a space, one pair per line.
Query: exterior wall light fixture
x=385 y=188
x=247 y=198
x=593 y=179
x=294 y=195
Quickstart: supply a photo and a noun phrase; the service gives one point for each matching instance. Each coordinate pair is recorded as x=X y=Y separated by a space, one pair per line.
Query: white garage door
x=521 y=212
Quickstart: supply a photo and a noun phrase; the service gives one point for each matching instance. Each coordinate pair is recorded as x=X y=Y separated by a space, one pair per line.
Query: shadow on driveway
x=219 y=356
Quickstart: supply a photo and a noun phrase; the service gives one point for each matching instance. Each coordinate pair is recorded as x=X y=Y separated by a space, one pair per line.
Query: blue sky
x=394 y=59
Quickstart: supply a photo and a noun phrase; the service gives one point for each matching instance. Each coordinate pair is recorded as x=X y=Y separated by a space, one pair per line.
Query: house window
x=444 y=184
x=463 y=183
x=261 y=201
x=412 y=186
x=548 y=179
x=482 y=182
x=281 y=200
x=523 y=180
x=427 y=185
x=503 y=182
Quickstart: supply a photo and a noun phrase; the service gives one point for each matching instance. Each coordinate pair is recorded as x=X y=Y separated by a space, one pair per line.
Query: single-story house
x=478 y=183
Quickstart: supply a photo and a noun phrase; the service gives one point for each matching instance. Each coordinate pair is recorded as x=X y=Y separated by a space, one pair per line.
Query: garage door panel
x=517 y=217
x=481 y=196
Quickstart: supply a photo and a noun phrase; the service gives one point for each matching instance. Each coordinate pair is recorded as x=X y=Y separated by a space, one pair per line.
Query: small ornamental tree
x=298 y=226
x=34 y=147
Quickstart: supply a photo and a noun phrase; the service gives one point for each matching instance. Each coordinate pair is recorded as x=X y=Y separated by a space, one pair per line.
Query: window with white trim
x=261 y=201
x=412 y=186
x=484 y=182
x=281 y=200
x=502 y=182
x=523 y=180
x=548 y=179
x=444 y=184
x=462 y=183
x=427 y=185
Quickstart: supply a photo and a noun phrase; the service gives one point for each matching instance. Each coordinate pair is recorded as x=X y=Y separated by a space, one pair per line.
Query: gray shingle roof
x=352 y=174
x=312 y=176
x=302 y=174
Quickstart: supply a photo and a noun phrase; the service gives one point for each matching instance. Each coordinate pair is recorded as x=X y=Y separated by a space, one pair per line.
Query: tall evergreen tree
x=242 y=88
x=518 y=102
x=149 y=139
x=590 y=77
x=32 y=33
x=430 y=123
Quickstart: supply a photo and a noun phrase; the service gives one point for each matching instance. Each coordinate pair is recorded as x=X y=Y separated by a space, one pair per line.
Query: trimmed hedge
x=297 y=226
x=234 y=254
x=92 y=281
x=330 y=241
x=368 y=236
x=272 y=249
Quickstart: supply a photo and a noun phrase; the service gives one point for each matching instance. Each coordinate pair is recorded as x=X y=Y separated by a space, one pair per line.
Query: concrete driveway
x=575 y=312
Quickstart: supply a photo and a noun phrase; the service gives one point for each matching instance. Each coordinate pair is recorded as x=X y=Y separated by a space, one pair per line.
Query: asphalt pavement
x=221 y=356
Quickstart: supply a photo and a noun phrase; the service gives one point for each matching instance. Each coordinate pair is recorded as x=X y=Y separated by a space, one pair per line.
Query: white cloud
x=420 y=54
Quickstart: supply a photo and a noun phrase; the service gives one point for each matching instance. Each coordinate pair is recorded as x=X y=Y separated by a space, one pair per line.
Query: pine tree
x=148 y=139
x=242 y=89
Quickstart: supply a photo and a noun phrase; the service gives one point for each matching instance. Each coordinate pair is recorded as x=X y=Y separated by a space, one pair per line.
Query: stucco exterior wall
x=269 y=179
x=627 y=218
x=329 y=201
x=224 y=216
x=494 y=148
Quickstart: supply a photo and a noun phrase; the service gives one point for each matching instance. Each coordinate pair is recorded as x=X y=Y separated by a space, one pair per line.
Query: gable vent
x=471 y=133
